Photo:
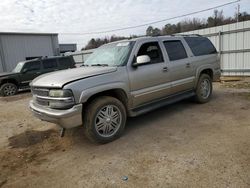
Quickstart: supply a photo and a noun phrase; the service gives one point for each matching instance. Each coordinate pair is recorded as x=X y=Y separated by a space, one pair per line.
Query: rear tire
x=204 y=89
x=104 y=119
x=8 y=89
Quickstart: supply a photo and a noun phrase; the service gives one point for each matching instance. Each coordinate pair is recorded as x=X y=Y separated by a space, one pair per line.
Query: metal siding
x=1 y=56
x=17 y=47
x=1 y=63
x=55 y=44
x=67 y=48
x=232 y=41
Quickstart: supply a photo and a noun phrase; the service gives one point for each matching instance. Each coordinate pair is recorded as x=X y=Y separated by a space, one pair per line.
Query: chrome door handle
x=165 y=69
x=188 y=65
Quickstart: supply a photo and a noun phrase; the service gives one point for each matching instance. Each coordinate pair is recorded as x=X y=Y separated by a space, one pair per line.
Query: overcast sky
x=72 y=16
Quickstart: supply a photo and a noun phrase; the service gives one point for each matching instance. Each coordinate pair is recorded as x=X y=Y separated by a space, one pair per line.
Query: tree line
x=216 y=19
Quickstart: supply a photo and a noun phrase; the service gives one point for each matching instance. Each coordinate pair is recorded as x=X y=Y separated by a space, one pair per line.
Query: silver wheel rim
x=108 y=121
x=9 y=90
x=205 y=88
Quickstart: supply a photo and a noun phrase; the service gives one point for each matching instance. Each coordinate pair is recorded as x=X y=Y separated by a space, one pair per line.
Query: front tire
x=104 y=119
x=8 y=89
x=204 y=89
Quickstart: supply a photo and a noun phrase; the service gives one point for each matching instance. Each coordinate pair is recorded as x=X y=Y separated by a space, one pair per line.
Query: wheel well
x=116 y=93
x=208 y=72
x=9 y=81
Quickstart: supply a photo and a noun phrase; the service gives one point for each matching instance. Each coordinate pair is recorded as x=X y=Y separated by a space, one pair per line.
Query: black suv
x=25 y=72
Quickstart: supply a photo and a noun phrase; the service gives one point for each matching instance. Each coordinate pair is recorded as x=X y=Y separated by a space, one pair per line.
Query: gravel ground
x=181 y=145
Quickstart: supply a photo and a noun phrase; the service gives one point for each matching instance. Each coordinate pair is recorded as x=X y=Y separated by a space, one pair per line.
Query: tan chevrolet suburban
x=126 y=78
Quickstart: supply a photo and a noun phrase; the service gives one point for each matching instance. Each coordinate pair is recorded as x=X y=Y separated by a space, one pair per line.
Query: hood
x=60 y=78
x=3 y=74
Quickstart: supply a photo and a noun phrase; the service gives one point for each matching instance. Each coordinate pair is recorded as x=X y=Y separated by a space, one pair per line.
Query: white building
x=16 y=47
x=67 y=48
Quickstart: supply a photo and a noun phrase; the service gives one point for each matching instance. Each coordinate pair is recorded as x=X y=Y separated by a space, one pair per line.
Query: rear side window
x=175 y=50
x=200 y=46
x=49 y=63
x=65 y=62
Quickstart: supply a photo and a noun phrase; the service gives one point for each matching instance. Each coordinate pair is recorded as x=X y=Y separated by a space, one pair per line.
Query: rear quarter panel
x=206 y=62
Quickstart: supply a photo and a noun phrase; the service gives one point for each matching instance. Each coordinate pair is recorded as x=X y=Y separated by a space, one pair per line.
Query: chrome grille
x=42 y=102
x=38 y=93
x=42 y=98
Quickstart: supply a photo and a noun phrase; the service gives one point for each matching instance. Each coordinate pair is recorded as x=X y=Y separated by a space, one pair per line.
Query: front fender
x=86 y=94
x=10 y=79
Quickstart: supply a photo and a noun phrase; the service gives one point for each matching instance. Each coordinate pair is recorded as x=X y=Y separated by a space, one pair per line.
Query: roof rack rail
x=186 y=35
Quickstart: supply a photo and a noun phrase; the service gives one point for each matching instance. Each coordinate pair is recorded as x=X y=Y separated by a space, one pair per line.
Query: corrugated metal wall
x=1 y=67
x=1 y=64
x=233 y=43
x=16 y=48
x=67 y=48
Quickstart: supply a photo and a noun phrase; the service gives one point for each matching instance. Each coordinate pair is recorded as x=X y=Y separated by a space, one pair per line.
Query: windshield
x=18 y=67
x=115 y=54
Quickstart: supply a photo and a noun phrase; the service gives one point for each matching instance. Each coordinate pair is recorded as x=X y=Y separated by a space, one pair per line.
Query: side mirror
x=141 y=60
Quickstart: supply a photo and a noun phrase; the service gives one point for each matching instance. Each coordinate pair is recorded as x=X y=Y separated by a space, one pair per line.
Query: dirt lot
x=182 y=145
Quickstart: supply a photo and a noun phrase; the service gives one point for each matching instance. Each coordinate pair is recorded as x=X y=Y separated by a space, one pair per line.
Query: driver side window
x=153 y=50
x=32 y=66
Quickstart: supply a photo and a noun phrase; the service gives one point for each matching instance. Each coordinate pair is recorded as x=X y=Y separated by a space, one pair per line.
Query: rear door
x=65 y=63
x=49 y=65
x=149 y=82
x=180 y=67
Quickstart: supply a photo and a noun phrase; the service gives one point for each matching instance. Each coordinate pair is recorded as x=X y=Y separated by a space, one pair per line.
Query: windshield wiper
x=100 y=65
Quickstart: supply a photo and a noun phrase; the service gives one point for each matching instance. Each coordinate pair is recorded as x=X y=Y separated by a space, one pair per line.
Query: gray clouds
x=80 y=16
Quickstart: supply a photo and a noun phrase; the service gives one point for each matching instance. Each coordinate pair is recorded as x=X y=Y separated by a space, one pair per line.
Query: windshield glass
x=18 y=67
x=115 y=54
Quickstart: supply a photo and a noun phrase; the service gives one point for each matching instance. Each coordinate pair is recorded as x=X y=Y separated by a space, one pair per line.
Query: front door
x=30 y=71
x=151 y=81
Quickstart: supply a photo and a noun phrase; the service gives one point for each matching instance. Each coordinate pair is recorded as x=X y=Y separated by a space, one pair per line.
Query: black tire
x=8 y=89
x=95 y=111
x=203 y=97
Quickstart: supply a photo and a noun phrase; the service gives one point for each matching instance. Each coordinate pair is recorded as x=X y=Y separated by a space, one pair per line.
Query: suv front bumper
x=64 y=118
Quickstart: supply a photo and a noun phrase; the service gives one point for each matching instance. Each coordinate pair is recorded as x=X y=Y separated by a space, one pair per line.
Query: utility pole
x=238 y=12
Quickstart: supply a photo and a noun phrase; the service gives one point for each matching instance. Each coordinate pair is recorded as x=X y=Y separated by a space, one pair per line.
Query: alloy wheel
x=9 y=90
x=205 y=88
x=108 y=120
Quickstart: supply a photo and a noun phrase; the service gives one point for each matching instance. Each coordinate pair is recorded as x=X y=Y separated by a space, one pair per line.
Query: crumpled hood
x=7 y=74
x=59 y=78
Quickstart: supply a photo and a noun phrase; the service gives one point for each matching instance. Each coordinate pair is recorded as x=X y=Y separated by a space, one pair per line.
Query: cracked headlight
x=60 y=93
x=61 y=99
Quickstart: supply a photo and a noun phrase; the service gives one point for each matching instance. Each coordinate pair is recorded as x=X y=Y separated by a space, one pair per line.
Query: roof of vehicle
x=160 y=37
x=43 y=58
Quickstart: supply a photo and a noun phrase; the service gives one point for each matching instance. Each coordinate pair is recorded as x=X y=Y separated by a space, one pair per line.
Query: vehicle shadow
x=149 y=119
x=135 y=123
